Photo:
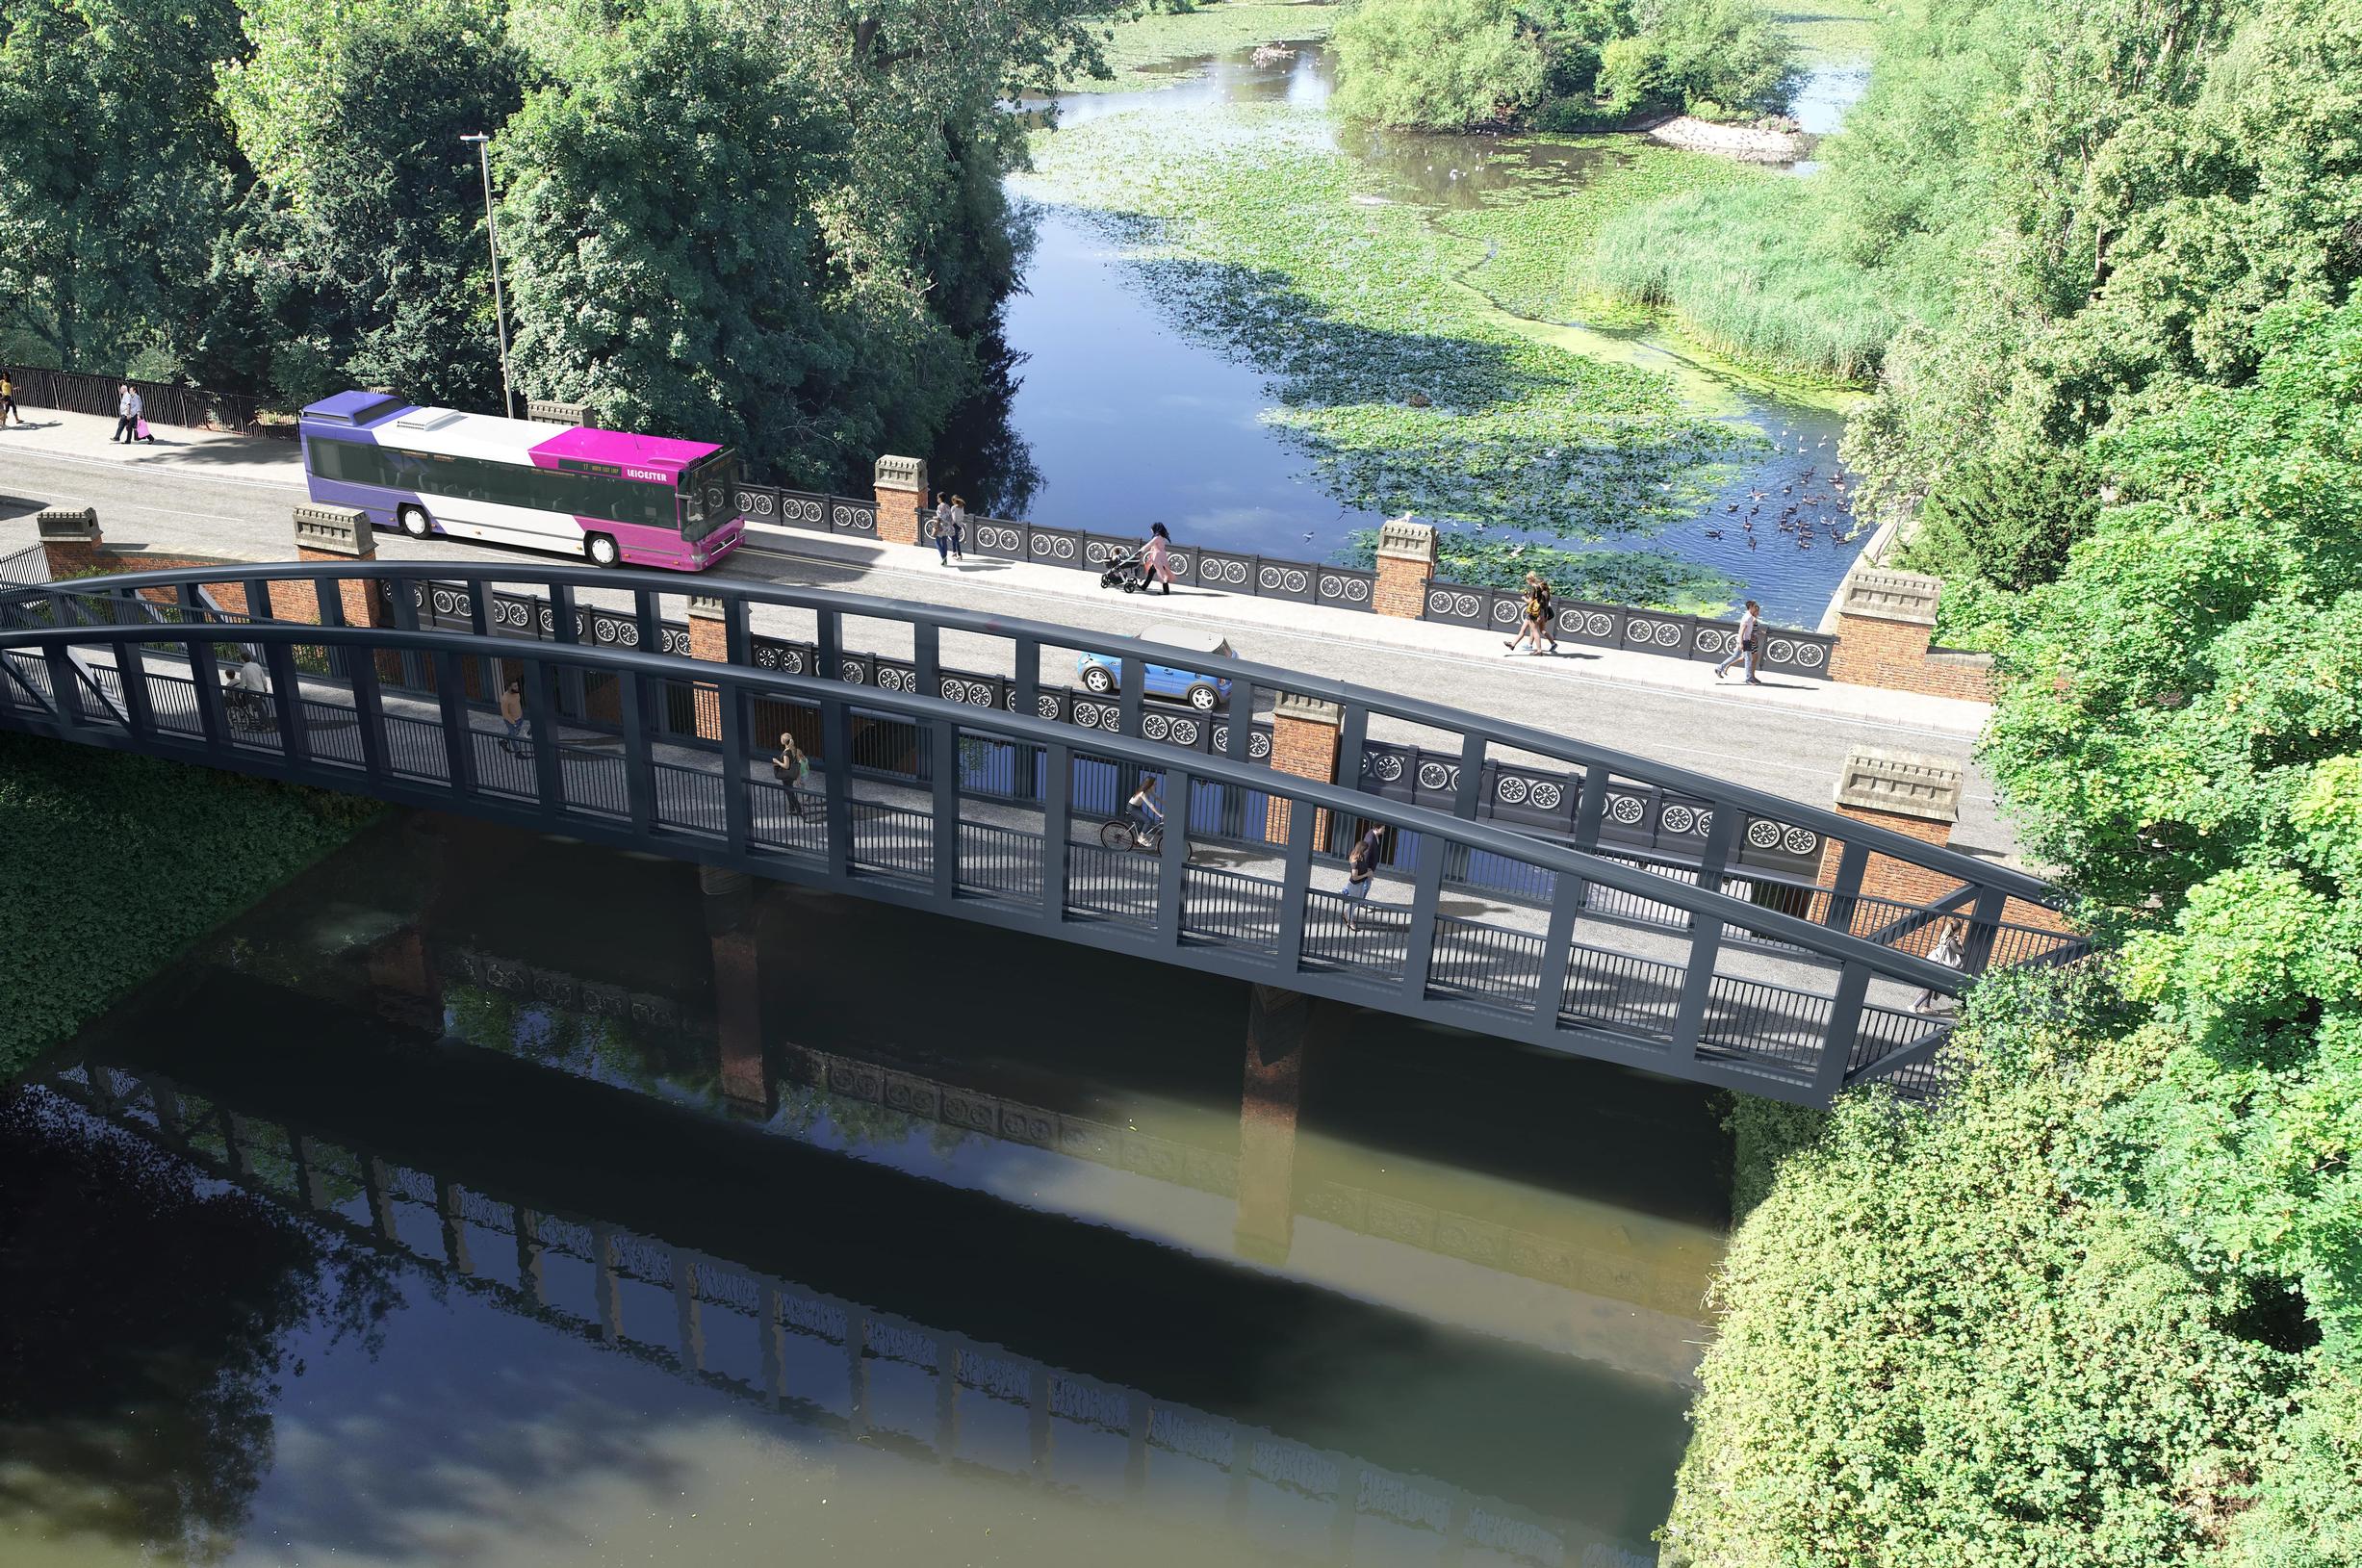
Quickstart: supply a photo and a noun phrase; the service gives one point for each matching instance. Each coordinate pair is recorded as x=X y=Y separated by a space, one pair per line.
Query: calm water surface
x=489 y=1198
x=1129 y=422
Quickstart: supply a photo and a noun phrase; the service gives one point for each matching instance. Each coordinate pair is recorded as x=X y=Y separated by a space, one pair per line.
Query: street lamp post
x=491 y=239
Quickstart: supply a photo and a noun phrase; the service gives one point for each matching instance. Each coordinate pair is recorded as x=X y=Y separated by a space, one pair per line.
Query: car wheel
x=601 y=549
x=415 y=521
x=1098 y=679
x=1203 y=697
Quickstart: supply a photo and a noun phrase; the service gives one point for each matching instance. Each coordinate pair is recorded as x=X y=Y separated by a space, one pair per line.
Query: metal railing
x=898 y=829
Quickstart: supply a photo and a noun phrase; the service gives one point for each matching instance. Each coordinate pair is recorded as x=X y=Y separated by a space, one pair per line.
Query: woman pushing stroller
x=1152 y=563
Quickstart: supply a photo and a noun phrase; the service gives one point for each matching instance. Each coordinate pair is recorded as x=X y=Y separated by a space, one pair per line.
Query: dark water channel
x=1128 y=421
x=487 y=1198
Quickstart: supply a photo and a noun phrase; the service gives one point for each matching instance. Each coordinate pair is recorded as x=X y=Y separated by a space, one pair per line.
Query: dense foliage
x=776 y=220
x=112 y=863
x=1563 y=63
x=2107 y=1305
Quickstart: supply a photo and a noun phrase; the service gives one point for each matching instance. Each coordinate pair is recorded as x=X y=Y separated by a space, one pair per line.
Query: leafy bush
x=1447 y=63
x=1954 y=1338
x=109 y=864
x=1719 y=52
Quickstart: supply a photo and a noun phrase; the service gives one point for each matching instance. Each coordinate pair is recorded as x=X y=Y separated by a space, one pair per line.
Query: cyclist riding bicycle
x=1147 y=813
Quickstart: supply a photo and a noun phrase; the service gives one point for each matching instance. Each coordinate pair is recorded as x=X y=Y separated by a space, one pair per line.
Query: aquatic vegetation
x=1140 y=44
x=1408 y=393
x=1538 y=246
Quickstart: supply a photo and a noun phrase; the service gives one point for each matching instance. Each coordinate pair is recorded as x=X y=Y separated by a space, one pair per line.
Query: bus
x=605 y=495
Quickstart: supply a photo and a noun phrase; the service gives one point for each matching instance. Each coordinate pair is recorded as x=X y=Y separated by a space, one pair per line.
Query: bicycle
x=1120 y=833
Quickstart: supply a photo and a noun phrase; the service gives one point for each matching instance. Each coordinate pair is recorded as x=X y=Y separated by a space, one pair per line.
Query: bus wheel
x=601 y=549
x=414 y=522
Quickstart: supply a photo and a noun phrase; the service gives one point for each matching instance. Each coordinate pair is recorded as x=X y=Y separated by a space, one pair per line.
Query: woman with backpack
x=791 y=768
x=1539 y=612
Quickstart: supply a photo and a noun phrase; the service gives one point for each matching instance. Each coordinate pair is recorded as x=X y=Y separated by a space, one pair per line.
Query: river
x=1130 y=420
x=485 y=1197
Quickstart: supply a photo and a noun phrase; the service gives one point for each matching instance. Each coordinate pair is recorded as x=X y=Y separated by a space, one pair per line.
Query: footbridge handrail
x=1478 y=733
x=926 y=838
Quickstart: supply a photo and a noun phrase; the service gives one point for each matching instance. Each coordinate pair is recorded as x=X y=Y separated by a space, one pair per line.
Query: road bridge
x=1535 y=888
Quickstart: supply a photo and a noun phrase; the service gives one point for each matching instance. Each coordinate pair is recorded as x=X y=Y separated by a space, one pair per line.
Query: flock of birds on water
x=1796 y=518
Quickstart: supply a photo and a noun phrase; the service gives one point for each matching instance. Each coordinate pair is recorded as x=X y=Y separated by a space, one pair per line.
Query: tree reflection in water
x=136 y=1386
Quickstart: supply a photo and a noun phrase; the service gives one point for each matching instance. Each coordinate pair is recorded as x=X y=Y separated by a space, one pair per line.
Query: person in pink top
x=1156 y=559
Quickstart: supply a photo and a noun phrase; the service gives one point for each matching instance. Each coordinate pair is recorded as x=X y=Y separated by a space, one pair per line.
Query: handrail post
x=458 y=728
x=1853 y=858
x=204 y=671
x=64 y=687
x=836 y=769
x=548 y=782
x=258 y=600
x=926 y=660
x=406 y=595
x=1238 y=739
x=1706 y=935
x=1352 y=734
x=1471 y=792
x=1056 y=806
x=1557 y=949
x=1419 y=943
x=286 y=688
x=1172 y=861
x=736 y=814
x=639 y=767
x=1029 y=676
x=647 y=618
x=1590 y=811
x=1132 y=694
x=1844 y=1027
x=562 y=614
x=1295 y=890
x=131 y=678
x=1984 y=927
x=944 y=855
x=368 y=709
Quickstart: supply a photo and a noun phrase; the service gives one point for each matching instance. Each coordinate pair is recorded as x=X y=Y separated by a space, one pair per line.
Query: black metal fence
x=1786 y=651
x=162 y=404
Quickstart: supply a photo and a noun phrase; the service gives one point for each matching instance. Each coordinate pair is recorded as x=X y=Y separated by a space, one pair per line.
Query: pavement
x=229 y=496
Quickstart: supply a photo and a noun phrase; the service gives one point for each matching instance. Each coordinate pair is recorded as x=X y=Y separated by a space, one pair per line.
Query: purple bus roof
x=619 y=447
x=344 y=405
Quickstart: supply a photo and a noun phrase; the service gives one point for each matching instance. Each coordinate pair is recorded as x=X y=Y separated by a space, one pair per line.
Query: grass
x=109 y=864
x=1138 y=43
x=1256 y=235
x=1836 y=30
x=1747 y=269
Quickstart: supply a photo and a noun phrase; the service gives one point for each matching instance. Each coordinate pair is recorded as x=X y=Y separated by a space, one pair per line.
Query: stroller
x=1125 y=571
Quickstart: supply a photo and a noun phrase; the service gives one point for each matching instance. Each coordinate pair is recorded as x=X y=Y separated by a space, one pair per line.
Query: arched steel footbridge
x=1535 y=888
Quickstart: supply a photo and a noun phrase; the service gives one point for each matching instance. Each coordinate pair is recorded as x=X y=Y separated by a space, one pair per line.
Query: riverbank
x=114 y=864
x=1153 y=49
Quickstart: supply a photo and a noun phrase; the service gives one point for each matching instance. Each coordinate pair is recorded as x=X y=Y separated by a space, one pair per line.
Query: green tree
x=1448 y=64
x=667 y=263
x=119 y=175
x=364 y=241
x=2008 y=518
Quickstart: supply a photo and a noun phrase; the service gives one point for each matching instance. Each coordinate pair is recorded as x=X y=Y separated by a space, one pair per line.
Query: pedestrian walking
x=1951 y=950
x=1539 y=613
x=1145 y=812
x=940 y=529
x=1361 y=864
x=249 y=691
x=958 y=528
x=791 y=767
x=1750 y=642
x=127 y=411
x=1156 y=559
x=8 y=400
x=512 y=714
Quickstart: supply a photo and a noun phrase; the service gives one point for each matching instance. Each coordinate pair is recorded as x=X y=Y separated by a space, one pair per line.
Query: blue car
x=1101 y=675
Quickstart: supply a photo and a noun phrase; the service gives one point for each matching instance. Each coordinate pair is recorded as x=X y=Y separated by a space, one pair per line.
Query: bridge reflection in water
x=1054 y=1353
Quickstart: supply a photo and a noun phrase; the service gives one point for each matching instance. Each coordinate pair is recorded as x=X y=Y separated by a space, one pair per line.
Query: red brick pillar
x=1304 y=743
x=1277 y=1037
x=338 y=534
x=1911 y=793
x=1405 y=562
x=900 y=485
x=70 y=539
x=708 y=640
x=1884 y=621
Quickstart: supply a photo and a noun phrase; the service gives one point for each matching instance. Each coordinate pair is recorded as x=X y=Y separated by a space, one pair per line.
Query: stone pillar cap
x=1884 y=595
x=1904 y=784
x=902 y=473
x=68 y=523
x=556 y=411
x=1403 y=536
x=1295 y=705
x=336 y=530
x=704 y=607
